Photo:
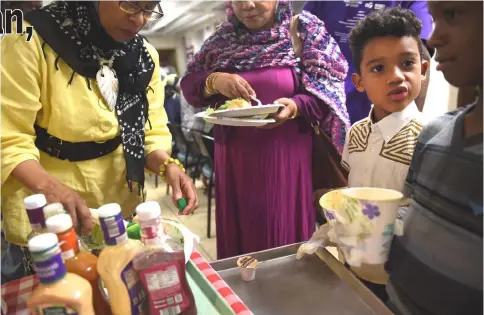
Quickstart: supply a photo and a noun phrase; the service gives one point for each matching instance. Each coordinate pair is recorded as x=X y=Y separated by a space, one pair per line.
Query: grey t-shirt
x=435 y=267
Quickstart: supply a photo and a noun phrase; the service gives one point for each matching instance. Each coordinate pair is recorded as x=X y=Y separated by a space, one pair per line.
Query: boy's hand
x=318 y=240
x=317 y=194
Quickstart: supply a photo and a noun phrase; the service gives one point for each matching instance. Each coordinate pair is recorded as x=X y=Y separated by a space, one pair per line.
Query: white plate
x=248 y=111
x=237 y=122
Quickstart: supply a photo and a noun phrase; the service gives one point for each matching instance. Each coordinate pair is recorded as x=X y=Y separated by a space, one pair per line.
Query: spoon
x=259 y=103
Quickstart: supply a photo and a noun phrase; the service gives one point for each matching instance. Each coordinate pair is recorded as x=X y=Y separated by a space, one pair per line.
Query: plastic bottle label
x=68 y=243
x=165 y=291
x=36 y=218
x=152 y=234
x=55 y=310
x=51 y=269
x=113 y=229
x=135 y=289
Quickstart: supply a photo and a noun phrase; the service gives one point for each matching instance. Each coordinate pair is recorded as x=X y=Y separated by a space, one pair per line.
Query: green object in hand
x=134 y=231
x=181 y=203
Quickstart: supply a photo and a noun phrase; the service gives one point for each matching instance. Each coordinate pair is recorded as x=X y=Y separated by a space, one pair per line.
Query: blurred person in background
x=263 y=175
x=190 y=122
x=81 y=117
x=172 y=96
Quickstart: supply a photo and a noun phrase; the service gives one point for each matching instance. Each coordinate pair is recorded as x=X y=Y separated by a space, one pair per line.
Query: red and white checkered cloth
x=16 y=293
x=222 y=288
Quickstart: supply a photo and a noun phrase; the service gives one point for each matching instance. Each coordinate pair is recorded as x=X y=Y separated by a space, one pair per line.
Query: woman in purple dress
x=263 y=175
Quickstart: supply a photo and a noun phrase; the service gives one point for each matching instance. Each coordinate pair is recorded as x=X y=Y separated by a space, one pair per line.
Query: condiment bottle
x=59 y=292
x=34 y=205
x=52 y=209
x=126 y=294
x=80 y=263
x=161 y=266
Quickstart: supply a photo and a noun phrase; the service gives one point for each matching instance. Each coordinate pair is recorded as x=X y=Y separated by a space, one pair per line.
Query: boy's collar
x=393 y=123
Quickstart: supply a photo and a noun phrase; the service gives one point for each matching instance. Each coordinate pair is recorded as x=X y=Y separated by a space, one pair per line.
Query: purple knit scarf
x=322 y=68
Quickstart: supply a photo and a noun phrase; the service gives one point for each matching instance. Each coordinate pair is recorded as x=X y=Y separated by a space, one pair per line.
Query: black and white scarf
x=74 y=31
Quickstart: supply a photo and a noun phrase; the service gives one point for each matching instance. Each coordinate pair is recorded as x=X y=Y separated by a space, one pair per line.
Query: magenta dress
x=263 y=177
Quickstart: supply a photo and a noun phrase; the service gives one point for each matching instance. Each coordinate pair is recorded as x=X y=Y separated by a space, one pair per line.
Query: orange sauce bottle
x=59 y=291
x=80 y=263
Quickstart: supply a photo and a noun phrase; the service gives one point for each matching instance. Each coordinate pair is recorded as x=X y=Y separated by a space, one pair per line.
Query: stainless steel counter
x=316 y=284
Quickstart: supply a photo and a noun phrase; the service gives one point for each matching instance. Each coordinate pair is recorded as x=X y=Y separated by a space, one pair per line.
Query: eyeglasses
x=133 y=8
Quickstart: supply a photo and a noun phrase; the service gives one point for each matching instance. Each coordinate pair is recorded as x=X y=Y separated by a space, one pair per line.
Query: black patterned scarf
x=74 y=31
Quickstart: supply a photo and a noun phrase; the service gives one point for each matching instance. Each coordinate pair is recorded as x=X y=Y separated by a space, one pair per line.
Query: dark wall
x=25 y=6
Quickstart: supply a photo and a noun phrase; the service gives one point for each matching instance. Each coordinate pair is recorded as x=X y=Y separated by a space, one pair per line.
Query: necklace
x=107 y=81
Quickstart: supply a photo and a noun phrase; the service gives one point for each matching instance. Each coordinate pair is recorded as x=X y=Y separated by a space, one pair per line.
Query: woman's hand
x=73 y=204
x=176 y=178
x=289 y=111
x=233 y=86
x=33 y=176
x=182 y=186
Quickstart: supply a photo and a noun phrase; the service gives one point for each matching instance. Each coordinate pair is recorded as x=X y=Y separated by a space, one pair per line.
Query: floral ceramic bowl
x=332 y=205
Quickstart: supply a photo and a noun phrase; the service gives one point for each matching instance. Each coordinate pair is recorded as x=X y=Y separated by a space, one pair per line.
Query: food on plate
x=236 y=103
x=231 y=104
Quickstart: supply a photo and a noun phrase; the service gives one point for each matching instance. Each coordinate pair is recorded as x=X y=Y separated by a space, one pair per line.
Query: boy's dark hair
x=395 y=21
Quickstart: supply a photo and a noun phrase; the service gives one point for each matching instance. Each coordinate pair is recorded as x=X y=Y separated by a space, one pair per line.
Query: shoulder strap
x=296 y=41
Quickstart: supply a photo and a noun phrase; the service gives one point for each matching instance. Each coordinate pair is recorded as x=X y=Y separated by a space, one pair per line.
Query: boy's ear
x=358 y=82
x=424 y=69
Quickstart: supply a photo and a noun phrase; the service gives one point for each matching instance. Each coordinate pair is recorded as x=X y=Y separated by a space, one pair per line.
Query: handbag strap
x=298 y=47
x=295 y=40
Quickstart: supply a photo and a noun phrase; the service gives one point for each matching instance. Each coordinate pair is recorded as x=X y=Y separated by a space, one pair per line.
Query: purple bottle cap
x=34 y=205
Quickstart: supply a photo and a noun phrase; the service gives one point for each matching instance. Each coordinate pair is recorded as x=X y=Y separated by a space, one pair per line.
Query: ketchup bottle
x=161 y=266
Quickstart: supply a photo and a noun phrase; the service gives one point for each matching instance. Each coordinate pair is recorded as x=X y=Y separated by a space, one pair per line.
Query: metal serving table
x=316 y=284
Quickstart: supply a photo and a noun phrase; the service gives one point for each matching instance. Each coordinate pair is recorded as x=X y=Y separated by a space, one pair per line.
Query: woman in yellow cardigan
x=82 y=116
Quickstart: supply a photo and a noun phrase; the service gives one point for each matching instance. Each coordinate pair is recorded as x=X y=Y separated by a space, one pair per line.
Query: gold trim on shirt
x=401 y=147
x=358 y=136
x=345 y=165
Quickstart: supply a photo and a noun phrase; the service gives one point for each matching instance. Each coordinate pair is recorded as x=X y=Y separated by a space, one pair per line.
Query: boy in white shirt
x=387 y=52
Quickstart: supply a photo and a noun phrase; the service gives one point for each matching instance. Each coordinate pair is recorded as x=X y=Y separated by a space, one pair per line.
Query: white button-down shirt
x=379 y=154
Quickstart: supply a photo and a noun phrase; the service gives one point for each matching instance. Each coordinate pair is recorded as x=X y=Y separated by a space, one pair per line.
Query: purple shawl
x=322 y=68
